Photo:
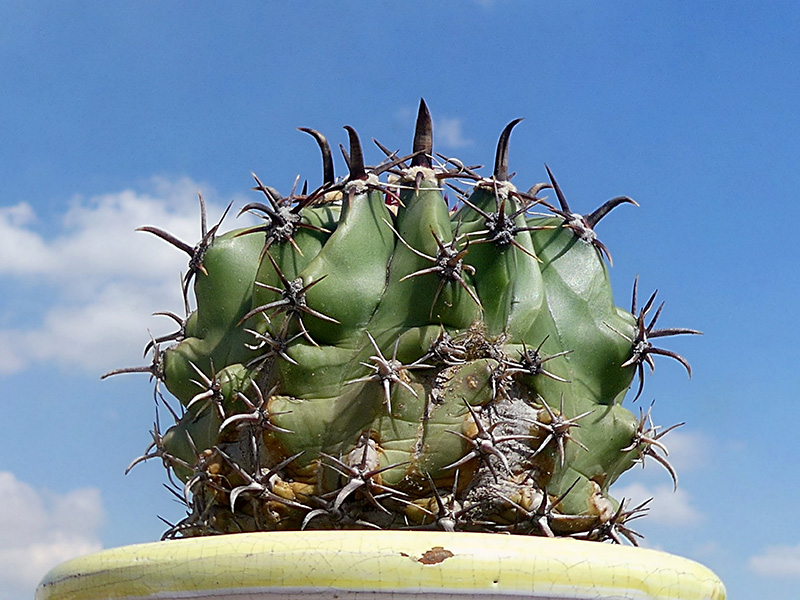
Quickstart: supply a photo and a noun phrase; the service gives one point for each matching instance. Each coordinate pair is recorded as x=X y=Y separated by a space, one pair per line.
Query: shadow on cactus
x=371 y=356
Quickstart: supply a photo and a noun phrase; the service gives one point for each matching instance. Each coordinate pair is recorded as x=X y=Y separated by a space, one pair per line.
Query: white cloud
x=97 y=237
x=39 y=529
x=668 y=507
x=688 y=450
x=777 y=561
x=96 y=280
x=22 y=250
x=450 y=133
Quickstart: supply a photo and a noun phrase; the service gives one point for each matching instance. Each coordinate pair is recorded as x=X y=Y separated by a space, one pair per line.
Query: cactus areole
x=415 y=346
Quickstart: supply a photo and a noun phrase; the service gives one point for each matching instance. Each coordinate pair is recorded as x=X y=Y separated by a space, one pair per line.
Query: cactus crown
x=369 y=356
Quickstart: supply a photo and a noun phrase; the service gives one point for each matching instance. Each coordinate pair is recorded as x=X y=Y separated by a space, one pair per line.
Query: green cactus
x=373 y=357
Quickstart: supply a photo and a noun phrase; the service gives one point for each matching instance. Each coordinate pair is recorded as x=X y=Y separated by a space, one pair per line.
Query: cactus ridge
x=370 y=356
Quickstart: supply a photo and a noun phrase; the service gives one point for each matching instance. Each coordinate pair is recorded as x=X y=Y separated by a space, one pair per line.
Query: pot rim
x=354 y=564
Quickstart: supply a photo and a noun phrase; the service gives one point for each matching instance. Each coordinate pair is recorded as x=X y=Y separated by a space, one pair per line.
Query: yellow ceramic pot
x=401 y=565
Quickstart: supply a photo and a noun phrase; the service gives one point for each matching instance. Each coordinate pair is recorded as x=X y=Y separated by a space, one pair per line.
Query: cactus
x=392 y=350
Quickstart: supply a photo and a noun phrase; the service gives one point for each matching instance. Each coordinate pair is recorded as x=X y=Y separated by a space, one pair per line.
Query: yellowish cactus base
x=402 y=565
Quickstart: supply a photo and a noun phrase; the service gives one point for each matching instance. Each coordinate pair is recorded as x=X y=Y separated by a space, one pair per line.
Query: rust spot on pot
x=435 y=555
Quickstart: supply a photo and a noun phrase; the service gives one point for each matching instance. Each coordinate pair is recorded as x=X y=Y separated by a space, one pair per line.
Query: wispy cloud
x=39 y=529
x=688 y=449
x=449 y=132
x=777 y=561
x=668 y=507
x=95 y=281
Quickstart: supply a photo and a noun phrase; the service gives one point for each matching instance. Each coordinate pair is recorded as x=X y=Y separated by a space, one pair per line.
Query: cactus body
x=373 y=357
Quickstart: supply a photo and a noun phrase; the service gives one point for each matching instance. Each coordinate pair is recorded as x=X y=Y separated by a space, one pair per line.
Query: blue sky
x=113 y=115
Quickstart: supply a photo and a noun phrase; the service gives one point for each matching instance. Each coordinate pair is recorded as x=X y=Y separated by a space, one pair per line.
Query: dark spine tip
x=423 y=137
x=356 y=162
x=327 y=158
x=256 y=206
x=345 y=155
x=203 y=228
x=168 y=237
x=501 y=156
x=384 y=149
x=562 y=201
x=147 y=369
x=594 y=218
